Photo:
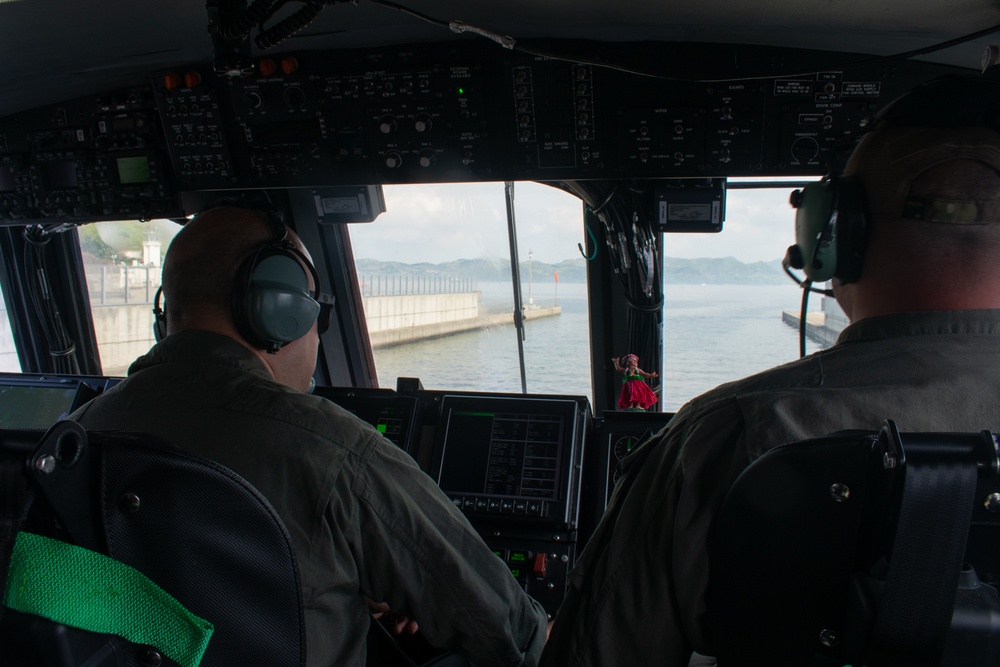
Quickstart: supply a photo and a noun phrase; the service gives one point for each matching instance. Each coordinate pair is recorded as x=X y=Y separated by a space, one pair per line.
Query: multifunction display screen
x=503 y=457
x=504 y=453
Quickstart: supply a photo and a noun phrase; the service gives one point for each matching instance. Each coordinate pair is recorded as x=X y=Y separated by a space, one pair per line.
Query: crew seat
x=124 y=551
x=861 y=548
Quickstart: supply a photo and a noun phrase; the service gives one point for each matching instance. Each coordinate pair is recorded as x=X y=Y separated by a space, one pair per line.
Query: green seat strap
x=87 y=590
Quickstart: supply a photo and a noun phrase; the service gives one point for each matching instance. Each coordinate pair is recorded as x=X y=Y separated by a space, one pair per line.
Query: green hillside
x=712 y=271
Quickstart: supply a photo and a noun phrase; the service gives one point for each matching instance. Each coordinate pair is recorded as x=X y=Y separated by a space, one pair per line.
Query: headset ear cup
x=159 y=318
x=159 y=327
x=280 y=314
x=272 y=302
x=241 y=302
x=814 y=206
x=852 y=228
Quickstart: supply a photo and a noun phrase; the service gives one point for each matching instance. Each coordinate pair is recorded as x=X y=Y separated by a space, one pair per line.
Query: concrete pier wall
x=387 y=313
x=125 y=331
x=390 y=337
x=821 y=326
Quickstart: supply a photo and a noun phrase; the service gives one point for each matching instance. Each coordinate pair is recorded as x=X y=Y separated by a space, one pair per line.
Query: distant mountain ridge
x=709 y=271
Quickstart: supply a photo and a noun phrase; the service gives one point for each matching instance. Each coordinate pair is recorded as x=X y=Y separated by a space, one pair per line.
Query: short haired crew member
x=227 y=382
x=919 y=281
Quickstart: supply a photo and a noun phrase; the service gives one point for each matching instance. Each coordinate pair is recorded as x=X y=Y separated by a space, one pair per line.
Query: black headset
x=272 y=302
x=271 y=299
x=159 y=317
x=831 y=223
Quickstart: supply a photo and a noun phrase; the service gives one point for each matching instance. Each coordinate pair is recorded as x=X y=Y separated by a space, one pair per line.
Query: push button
x=518 y=557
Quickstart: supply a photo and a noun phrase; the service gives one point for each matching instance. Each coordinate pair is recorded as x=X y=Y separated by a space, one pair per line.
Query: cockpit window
x=435 y=276
x=122 y=261
x=730 y=310
x=9 y=362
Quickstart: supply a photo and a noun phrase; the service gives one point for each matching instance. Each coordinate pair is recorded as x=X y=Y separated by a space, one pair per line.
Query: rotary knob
x=253 y=99
x=295 y=98
x=805 y=149
x=422 y=123
x=427 y=158
x=393 y=160
x=387 y=124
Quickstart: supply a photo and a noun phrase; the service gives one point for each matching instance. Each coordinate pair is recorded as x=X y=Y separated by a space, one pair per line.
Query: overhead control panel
x=461 y=112
x=94 y=159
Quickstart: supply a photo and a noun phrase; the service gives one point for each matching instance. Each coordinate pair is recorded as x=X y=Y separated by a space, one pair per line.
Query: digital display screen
x=510 y=448
x=393 y=416
x=6 y=179
x=121 y=124
x=133 y=170
x=60 y=175
x=35 y=406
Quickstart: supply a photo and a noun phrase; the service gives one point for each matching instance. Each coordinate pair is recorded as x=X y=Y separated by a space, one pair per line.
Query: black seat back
x=197 y=530
x=850 y=549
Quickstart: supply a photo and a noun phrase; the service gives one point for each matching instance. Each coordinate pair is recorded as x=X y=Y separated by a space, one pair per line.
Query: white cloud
x=442 y=222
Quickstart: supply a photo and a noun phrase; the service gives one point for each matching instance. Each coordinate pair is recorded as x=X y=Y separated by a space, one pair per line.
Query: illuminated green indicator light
x=522 y=557
x=381 y=428
x=460 y=90
x=516 y=572
x=498 y=553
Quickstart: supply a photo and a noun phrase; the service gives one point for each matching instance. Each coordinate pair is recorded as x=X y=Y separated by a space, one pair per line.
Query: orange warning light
x=267 y=67
x=171 y=80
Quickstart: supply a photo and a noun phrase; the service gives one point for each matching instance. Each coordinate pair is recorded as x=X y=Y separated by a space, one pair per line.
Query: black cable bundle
x=238 y=27
x=635 y=259
x=270 y=37
x=61 y=346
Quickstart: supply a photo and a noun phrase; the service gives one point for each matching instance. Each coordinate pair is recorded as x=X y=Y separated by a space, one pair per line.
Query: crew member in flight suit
x=923 y=349
x=368 y=525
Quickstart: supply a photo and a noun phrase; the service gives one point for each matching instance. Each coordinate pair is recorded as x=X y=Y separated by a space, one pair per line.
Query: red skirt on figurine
x=635 y=393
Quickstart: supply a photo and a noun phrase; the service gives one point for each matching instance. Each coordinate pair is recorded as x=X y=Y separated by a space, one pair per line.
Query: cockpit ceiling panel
x=54 y=50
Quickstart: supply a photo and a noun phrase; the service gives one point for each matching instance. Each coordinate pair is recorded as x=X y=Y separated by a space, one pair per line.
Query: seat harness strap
x=88 y=590
x=916 y=611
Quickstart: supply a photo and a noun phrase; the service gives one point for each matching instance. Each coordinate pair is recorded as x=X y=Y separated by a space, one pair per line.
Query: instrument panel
x=512 y=464
x=438 y=113
x=531 y=473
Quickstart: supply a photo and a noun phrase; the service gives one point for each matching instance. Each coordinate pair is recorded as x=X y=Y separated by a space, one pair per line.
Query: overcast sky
x=439 y=223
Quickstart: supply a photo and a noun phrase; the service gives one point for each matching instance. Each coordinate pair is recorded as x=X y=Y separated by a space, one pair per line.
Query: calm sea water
x=712 y=334
x=718 y=333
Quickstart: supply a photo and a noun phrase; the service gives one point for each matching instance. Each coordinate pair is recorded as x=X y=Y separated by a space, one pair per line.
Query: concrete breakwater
x=397 y=320
x=822 y=326
x=126 y=330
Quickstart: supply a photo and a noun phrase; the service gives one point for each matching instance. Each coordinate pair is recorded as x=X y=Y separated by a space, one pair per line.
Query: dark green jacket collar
x=974 y=322
x=201 y=347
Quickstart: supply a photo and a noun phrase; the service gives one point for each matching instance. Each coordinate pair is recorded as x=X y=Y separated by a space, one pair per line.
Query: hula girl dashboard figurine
x=636 y=396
